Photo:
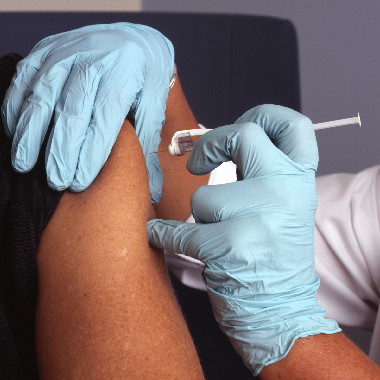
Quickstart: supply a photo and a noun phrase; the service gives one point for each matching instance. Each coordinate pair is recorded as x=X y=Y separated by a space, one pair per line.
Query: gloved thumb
x=174 y=236
x=246 y=144
x=292 y=132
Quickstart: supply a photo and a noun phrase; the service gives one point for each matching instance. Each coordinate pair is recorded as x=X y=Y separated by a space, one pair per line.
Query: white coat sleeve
x=347 y=249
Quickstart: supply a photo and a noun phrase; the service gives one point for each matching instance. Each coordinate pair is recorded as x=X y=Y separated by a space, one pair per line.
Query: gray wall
x=339 y=45
x=69 y=5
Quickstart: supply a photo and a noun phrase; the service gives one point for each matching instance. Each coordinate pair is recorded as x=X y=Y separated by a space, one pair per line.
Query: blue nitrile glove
x=90 y=77
x=256 y=236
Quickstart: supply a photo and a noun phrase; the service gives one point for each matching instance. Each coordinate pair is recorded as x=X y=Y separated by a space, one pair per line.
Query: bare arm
x=106 y=308
x=323 y=357
x=179 y=184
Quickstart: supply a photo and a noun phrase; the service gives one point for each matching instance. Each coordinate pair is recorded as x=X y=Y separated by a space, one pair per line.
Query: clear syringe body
x=182 y=141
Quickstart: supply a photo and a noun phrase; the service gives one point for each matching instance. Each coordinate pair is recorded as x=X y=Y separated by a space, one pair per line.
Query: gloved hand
x=256 y=235
x=90 y=78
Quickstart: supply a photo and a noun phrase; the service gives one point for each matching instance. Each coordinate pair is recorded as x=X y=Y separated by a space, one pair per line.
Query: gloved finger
x=217 y=203
x=22 y=83
x=71 y=119
x=204 y=242
x=156 y=177
x=26 y=70
x=246 y=144
x=36 y=114
x=292 y=132
x=179 y=237
x=150 y=137
x=113 y=101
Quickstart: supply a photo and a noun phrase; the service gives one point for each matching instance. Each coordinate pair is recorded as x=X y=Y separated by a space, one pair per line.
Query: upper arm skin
x=179 y=183
x=105 y=307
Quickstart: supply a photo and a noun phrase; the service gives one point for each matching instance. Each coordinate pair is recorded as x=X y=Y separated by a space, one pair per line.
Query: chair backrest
x=227 y=63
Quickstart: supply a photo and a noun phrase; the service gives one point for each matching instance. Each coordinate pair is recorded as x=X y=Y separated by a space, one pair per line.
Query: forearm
x=323 y=357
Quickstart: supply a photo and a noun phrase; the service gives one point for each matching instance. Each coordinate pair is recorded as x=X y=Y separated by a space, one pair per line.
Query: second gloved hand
x=90 y=78
x=256 y=236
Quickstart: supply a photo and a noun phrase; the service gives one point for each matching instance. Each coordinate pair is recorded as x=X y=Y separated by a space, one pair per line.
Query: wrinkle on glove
x=89 y=79
x=256 y=236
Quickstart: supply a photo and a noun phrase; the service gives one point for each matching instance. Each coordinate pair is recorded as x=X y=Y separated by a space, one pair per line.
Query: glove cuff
x=263 y=332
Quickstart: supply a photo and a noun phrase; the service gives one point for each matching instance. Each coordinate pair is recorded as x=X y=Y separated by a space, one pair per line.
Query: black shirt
x=26 y=206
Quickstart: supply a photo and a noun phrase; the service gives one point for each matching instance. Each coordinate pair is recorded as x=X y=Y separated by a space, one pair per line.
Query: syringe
x=182 y=141
x=338 y=123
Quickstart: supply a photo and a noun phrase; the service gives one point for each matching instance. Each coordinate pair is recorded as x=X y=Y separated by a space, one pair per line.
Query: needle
x=160 y=151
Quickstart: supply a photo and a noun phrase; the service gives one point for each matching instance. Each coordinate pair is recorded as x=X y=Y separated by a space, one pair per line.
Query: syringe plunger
x=338 y=123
